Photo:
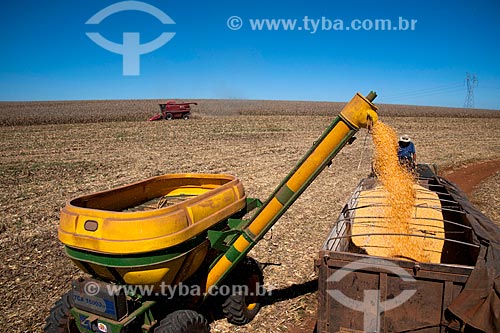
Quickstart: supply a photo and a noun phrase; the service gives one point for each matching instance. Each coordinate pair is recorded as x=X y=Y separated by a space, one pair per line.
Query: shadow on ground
x=273 y=296
x=293 y=291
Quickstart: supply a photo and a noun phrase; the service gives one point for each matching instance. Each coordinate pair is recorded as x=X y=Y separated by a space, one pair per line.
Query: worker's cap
x=405 y=138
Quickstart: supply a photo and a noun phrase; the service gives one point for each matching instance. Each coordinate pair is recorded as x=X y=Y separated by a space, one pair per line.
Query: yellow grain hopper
x=149 y=232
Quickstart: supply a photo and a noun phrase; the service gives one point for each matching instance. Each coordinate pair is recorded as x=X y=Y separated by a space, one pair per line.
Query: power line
x=489 y=87
x=426 y=92
x=448 y=92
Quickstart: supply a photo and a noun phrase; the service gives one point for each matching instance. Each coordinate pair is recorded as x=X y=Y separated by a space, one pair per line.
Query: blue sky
x=46 y=54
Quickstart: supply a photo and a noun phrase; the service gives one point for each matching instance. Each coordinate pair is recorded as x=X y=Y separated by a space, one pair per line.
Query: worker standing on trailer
x=406 y=152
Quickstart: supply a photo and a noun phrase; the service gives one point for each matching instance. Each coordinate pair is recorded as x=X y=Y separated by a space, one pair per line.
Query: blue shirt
x=406 y=152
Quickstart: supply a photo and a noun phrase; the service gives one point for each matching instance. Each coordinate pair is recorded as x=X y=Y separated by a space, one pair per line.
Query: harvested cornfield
x=41 y=166
x=75 y=112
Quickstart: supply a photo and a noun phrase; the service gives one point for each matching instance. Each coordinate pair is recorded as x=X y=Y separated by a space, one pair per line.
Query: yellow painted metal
x=146 y=276
x=260 y=221
x=171 y=272
x=251 y=306
x=217 y=272
x=359 y=112
x=319 y=155
x=241 y=244
x=192 y=262
x=210 y=199
x=97 y=270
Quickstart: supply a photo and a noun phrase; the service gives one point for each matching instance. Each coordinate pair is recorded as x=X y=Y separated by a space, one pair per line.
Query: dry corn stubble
x=399 y=184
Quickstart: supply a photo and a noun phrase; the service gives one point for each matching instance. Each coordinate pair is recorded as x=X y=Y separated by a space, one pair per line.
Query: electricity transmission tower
x=471 y=83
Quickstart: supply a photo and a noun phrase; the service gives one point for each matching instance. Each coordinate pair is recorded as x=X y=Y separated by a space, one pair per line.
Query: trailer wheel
x=183 y=321
x=241 y=307
x=60 y=319
x=185 y=117
x=169 y=116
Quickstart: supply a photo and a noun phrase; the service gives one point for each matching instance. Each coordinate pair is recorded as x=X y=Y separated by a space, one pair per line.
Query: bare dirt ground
x=470 y=177
x=481 y=182
x=41 y=166
x=487 y=197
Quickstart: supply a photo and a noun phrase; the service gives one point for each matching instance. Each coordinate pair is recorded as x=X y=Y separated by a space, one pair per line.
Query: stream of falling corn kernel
x=398 y=182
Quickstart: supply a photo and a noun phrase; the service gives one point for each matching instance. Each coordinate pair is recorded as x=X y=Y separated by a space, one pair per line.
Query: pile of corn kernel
x=399 y=182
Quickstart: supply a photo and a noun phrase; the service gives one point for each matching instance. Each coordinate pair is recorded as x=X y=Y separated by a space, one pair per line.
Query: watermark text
x=322 y=24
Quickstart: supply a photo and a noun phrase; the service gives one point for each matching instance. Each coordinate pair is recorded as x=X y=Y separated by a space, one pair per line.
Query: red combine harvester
x=172 y=110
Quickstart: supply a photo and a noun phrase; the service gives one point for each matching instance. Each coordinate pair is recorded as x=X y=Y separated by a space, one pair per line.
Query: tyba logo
x=371 y=306
x=131 y=49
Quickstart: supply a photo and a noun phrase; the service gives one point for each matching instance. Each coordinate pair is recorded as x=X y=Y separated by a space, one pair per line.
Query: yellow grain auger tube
x=358 y=113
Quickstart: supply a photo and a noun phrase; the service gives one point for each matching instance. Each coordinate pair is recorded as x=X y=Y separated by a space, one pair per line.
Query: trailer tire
x=183 y=321
x=185 y=117
x=240 y=308
x=169 y=116
x=60 y=319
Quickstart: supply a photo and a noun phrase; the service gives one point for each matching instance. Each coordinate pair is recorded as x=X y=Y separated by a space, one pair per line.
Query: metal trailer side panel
x=436 y=286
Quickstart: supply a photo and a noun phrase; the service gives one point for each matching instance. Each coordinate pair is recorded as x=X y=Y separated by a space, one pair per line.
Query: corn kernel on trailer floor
x=458 y=293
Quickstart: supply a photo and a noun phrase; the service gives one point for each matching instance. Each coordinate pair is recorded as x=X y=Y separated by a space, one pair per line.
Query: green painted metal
x=149 y=321
x=135 y=260
x=371 y=96
x=237 y=224
x=249 y=236
x=232 y=254
x=143 y=312
x=284 y=194
x=253 y=203
x=219 y=240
